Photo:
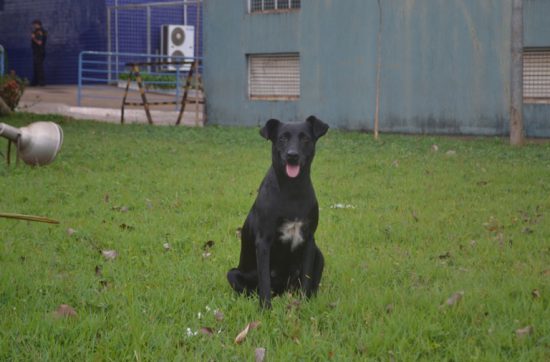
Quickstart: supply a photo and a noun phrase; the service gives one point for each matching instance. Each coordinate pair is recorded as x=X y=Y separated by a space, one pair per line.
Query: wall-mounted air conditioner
x=177 y=41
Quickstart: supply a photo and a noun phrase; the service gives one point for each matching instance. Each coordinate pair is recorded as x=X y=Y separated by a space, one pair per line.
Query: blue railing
x=2 y=56
x=110 y=69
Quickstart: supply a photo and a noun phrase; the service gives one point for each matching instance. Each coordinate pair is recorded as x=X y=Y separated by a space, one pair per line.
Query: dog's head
x=293 y=144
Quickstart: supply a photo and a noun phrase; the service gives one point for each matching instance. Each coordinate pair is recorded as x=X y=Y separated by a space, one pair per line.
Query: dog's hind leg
x=243 y=282
x=318 y=267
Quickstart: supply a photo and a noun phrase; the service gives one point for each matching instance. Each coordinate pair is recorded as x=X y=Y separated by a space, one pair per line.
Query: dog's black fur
x=278 y=250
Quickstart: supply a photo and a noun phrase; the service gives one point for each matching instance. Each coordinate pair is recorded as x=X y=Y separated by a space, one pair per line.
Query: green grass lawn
x=423 y=226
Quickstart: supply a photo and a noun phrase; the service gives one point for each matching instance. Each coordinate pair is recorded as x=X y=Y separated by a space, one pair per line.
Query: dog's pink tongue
x=292 y=170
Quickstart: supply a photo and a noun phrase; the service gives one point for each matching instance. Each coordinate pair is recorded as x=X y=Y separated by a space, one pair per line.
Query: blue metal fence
x=2 y=56
x=110 y=69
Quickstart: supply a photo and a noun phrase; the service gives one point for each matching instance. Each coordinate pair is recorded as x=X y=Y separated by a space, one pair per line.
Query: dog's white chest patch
x=291 y=232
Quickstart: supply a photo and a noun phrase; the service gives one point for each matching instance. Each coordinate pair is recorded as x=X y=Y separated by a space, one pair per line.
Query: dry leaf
x=238 y=232
x=395 y=163
x=415 y=217
x=208 y=244
x=447 y=255
x=294 y=304
x=525 y=331
x=207 y=331
x=218 y=315
x=65 y=310
x=166 y=246
x=389 y=308
x=206 y=255
x=333 y=305
x=109 y=254
x=259 y=354
x=451 y=153
x=546 y=272
x=242 y=335
x=535 y=293
x=435 y=148
x=454 y=299
x=106 y=198
x=71 y=231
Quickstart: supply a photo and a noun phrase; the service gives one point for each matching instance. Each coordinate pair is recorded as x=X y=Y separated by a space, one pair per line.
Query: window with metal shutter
x=536 y=75
x=274 y=76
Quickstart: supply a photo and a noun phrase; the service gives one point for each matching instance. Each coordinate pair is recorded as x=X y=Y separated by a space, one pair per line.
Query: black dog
x=278 y=250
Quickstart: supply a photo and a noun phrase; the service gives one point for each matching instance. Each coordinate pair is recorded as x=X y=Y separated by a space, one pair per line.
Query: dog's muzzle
x=292 y=164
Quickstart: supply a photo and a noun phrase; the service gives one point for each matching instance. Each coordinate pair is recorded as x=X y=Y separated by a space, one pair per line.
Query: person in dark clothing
x=38 y=42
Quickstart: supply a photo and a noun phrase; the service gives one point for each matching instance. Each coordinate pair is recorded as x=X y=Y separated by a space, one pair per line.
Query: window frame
x=276 y=9
x=273 y=97
x=531 y=77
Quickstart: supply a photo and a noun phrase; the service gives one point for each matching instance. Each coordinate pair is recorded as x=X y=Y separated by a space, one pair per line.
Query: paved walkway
x=103 y=103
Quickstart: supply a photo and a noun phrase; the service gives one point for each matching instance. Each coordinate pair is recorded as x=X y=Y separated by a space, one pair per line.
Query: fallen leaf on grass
x=535 y=293
x=65 y=310
x=525 y=331
x=71 y=231
x=435 y=148
x=451 y=153
x=218 y=315
x=109 y=254
x=206 y=255
x=121 y=208
x=454 y=299
x=208 y=244
x=106 y=198
x=415 y=217
x=166 y=246
x=389 y=308
x=238 y=232
x=242 y=335
x=294 y=304
x=447 y=255
x=546 y=272
x=207 y=331
x=259 y=354
x=395 y=163
x=333 y=305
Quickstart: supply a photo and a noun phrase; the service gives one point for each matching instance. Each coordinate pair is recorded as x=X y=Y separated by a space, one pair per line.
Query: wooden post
x=516 y=88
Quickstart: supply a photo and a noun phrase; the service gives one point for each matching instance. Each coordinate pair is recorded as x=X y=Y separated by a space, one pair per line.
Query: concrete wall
x=72 y=26
x=445 y=63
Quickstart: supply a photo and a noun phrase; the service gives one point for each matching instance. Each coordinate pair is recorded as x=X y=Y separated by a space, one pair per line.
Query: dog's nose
x=292 y=157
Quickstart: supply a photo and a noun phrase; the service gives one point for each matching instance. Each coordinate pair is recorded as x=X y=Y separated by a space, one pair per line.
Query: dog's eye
x=283 y=139
x=305 y=139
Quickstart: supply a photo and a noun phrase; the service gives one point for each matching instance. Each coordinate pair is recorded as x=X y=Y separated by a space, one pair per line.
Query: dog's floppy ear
x=269 y=131
x=318 y=127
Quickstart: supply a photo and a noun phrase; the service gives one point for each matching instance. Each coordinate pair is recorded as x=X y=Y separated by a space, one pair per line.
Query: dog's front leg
x=310 y=273
x=263 y=250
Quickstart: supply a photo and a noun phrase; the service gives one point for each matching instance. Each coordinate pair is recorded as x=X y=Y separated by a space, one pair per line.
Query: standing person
x=38 y=42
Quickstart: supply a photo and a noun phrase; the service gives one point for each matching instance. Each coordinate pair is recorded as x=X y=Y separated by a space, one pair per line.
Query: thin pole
x=378 y=71
x=28 y=218
x=516 y=89
x=109 y=44
x=197 y=62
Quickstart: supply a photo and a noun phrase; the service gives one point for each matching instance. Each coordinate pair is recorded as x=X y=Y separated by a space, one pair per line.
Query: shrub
x=11 y=89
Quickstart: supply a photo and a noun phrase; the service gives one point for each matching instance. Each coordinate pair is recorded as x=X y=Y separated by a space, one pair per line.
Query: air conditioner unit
x=177 y=41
